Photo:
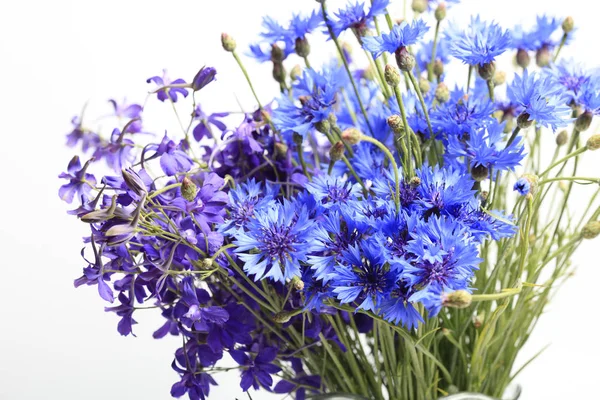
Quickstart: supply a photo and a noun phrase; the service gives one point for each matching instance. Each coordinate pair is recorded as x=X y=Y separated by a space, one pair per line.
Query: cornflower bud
x=395 y=122
x=438 y=68
x=440 y=12
x=296 y=72
x=562 y=138
x=424 y=85
x=282 y=317
x=523 y=58
x=297 y=283
x=543 y=57
x=207 y=263
x=583 y=122
x=419 y=6
x=479 y=172
x=593 y=143
x=442 y=93
x=591 y=230
x=278 y=72
x=276 y=54
x=414 y=181
x=281 y=150
x=486 y=71
x=568 y=25
x=302 y=47
x=228 y=42
x=188 y=189
x=392 y=75
x=351 y=136
x=336 y=152
x=523 y=121
x=405 y=60
x=457 y=299
x=323 y=126
x=499 y=78
x=478 y=320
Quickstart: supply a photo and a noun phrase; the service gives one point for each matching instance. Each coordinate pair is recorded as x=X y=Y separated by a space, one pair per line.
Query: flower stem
x=433 y=52
x=392 y=161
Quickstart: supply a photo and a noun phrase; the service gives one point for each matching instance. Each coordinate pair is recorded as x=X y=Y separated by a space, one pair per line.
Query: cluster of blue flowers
x=348 y=195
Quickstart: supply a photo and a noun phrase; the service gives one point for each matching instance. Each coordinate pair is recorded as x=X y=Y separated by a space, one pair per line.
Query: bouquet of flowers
x=380 y=228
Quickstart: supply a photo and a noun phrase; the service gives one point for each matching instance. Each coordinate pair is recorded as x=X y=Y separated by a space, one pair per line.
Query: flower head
x=355 y=17
x=480 y=44
x=172 y=93
x=401 y=36
x=80 y=182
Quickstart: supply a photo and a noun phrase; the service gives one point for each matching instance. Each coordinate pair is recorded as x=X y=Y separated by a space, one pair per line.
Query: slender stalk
x=433 y=52
x=392 y=161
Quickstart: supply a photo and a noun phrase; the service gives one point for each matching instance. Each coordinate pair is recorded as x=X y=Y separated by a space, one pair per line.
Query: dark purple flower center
x=278 y=241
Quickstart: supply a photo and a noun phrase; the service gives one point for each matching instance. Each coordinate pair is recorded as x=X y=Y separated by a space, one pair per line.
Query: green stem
x=565 y=158
x=392 y=161
x=513 y=136
x=408 y=165
x=433 y=52
x=562 y=43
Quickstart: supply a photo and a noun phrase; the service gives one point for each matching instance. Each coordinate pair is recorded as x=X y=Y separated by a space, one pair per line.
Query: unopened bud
x=584 y=121
x=543 y=57
x=336 y=152
x=134 y=181
x=440 y=12
x=414 y=181
x=323 y=126
x=369 y=73
x=282 y=317
x=297 y=283
x=438 y=68
x=395 y=122
x=499 y=78
x=568 y=25
x=206 y=264
x=442 y=93
x=296 y=72
x=205 y=76
x=593 y=143
x=479 y=172
x=523 y=58
x=424 y=85
x=562 y=138
x=527 y=184
x=278 y=72
x=188 y=189
x=591 y=230
x=523 y=121
x=478 y=320
x=486 y=71
x=419 y=6
x=228 y=42
x=101 y=215
x=351 y=136
x=405 y=60
x=281 y=150
x=457 y=299
x=302 y=47
x=277 y=54
x=392 y=75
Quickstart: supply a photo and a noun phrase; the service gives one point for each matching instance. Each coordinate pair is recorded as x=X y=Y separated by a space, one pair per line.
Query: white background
x=57 y=342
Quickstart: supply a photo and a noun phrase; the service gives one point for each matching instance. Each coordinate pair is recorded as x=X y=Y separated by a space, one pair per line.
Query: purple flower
x=172 y=92
x=172 y=159
x=198 y=316
x=258 y=371
x=205 y=76
x=203 y=128
x=128 y=111
x=117 y=153
x=80 y=183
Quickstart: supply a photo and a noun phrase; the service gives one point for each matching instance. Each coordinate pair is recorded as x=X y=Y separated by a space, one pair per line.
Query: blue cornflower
x=485 y=147
x=541 y=35
x=257 y=371
x=243 y=201
x=332 y=192
x=302 y=26
x=443 y=189
x=590 y=96
x=570 y=75
x=282 y=237
x=363 y=275
x=340 y=230
x=542 y=100
x=315 y=290
x=80 y=182
x=273 y=31
x=398 y=309
x=443 y=255
x=423 y=55
x=480 y=44
x=461 y=113
x=401 y=36
x=317 y=94
x=171 y=93
x=354 y=16
x=522 y=186
x=396 y=228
